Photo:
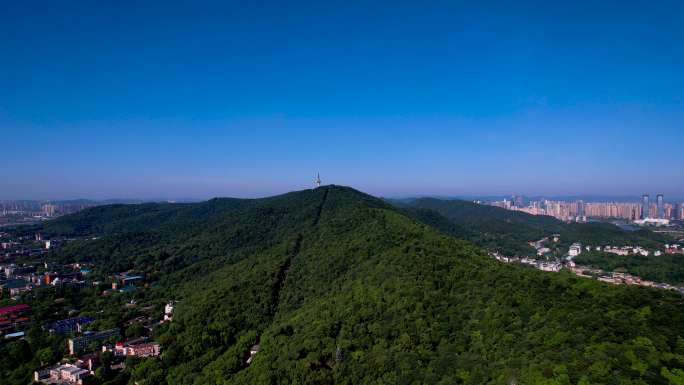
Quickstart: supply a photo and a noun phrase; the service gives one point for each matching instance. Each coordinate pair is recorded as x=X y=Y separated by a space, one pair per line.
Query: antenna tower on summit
x=318 y=180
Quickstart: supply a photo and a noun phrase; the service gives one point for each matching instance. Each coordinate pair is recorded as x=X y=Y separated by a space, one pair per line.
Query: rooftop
x=14 y=309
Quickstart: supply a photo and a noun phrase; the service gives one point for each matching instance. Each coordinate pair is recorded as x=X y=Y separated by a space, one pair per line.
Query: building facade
x=645 y=206
x=78 y=344
x=660 y=201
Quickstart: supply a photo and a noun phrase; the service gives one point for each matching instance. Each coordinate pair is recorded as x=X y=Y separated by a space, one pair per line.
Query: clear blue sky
x=198 y=99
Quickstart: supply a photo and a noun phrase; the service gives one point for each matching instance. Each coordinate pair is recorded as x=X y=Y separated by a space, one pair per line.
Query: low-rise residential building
x=69 y=325
x=61 y=374
x=13 y=270
x=642 y=251
x=652 y=222
x=674 y=249
x=126 y=349
x=253 y=352
x=12 y=323
x=549 y=266
x=78 y=344
x=625 y=250
x=606 y=279
x=543 y=250
x=89 y=362
x=151 y=349
x=575 y=250
x=168 y=311
x=16 y=286
x=14 y=335
x=618 y=251
x=14 y=310
x=125 y=281
x=54 y=278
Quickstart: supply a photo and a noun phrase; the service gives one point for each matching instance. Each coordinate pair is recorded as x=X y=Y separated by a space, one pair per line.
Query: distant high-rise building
x=645 y=206
x=49 y=209
x=659 y=201
x=519 y=201
x=580 y=208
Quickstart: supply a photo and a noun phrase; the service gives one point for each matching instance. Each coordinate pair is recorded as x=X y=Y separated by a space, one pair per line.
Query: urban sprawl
x=643 y=213
x=543 y=248
x=88 y=347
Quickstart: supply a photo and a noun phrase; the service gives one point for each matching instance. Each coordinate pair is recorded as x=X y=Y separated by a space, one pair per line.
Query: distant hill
x=509 y=231
x=338 y=287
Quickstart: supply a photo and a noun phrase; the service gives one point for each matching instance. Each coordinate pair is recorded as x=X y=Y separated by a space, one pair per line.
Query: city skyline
x=646 y=211
x=588 y=198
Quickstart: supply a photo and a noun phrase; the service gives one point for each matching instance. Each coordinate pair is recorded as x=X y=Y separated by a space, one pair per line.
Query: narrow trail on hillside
x=282 y=276
x=283 y=271
x=320 y=207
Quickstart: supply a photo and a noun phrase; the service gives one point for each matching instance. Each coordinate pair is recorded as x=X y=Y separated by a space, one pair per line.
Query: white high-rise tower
x=318 y=180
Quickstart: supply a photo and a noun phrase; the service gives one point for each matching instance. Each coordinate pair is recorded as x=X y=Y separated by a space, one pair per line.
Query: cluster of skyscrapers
x=647 y=212
x=580 y=210
x=41 y=208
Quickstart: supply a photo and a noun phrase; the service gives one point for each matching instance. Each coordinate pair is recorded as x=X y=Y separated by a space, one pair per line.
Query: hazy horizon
x=587 y=197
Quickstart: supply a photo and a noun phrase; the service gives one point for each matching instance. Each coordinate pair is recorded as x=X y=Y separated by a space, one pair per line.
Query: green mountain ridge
x=338 y=287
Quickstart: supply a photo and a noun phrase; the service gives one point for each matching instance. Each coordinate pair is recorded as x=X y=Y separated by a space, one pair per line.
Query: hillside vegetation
x=338 y=287
x=508 y=231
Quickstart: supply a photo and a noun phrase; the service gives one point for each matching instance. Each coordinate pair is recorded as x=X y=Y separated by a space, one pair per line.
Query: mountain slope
x=339 y=287
x=170 y=237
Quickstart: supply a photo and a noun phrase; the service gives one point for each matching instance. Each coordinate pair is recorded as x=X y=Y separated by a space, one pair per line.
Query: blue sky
x=203 y=99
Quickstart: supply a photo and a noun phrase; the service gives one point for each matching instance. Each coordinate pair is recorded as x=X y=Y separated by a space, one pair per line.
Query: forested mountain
x=509 y=231
x=338 y=287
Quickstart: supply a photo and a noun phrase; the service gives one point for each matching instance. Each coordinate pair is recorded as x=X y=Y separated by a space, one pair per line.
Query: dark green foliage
x=340 y=288
x=18 y=358
x=163 y=238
